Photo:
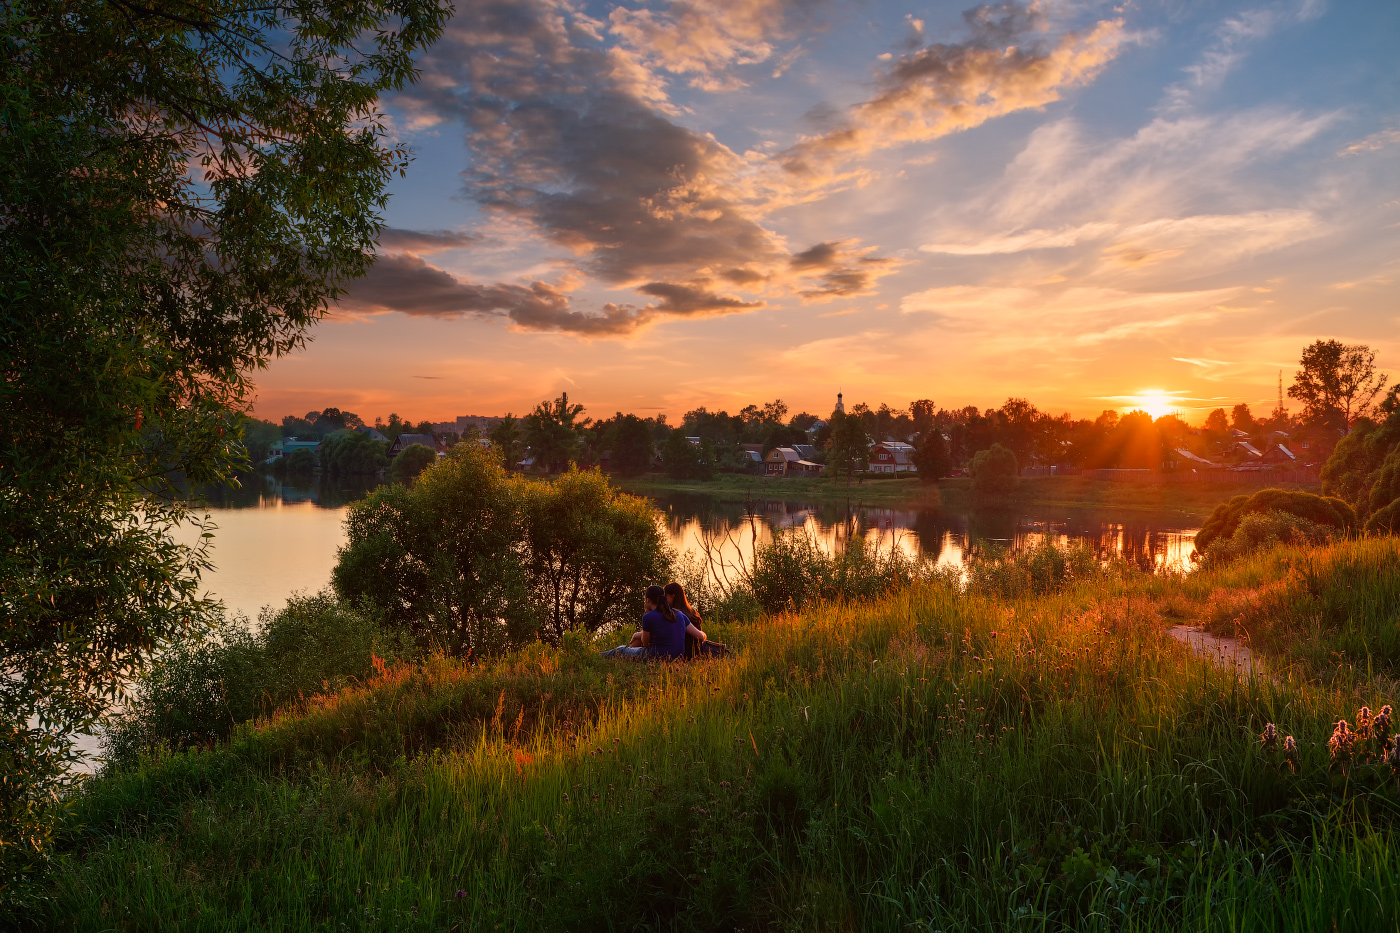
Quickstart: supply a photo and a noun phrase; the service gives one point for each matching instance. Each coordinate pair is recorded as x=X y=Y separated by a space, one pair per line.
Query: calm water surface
x=275 y=539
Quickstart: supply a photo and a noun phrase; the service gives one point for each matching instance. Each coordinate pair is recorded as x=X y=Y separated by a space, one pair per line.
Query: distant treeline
x=1337 y=385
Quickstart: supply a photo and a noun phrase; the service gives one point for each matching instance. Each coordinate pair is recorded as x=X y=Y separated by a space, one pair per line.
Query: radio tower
x=1278 y=412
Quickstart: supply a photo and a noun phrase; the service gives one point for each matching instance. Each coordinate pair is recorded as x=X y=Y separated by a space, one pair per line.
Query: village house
x=789 y=461
x=408 y=440
x=288 y=446
x=891 y=457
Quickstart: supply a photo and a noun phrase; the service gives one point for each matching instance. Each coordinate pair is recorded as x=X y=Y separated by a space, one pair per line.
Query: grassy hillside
x=931 y=761
x=1185 y=501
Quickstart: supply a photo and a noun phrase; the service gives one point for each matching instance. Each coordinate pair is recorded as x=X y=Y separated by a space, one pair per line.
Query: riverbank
x=1191 y=501
x=929 y=760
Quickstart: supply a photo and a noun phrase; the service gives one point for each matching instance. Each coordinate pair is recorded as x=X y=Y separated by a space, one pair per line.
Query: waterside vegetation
x=1030 y=751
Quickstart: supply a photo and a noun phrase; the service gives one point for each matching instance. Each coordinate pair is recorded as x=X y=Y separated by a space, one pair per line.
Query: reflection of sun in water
x=1153 y=401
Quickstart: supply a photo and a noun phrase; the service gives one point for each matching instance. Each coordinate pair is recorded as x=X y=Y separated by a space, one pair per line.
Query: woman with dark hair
x=663 y=631
x=675 y=594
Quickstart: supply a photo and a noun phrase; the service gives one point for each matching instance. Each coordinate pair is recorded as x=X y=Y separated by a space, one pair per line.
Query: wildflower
x=1290 y=754
x=1270 y=737
x=1392 y=756
x=1340 y=744
x=1381 y=724
x=1363 y=723
x=459 y=895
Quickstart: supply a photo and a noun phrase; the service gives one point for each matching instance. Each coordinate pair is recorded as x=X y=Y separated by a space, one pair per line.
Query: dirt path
x=1227 y=652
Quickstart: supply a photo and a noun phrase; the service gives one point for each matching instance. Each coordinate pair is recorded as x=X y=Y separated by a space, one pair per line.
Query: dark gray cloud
x=560 y=140
x=422 y=242
x=409 y=285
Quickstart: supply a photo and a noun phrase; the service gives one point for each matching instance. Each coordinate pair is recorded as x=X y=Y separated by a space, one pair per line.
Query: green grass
x=930 y=761
x=1189 y=501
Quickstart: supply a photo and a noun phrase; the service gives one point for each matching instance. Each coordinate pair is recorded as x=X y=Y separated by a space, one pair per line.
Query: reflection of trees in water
x=929 y=532
x=255 y=490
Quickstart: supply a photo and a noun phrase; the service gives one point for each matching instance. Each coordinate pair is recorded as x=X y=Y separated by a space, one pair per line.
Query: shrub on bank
x=1322 y=511
x=196 y=692
x=994 y=471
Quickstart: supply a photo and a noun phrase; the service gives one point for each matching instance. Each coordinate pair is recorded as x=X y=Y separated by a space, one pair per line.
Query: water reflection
x=279 y=536
x=698 y=524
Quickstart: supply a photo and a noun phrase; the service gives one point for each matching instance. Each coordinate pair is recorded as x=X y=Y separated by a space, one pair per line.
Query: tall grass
x=929 y=760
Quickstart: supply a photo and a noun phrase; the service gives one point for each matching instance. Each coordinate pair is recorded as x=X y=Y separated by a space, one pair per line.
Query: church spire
x=840 y=405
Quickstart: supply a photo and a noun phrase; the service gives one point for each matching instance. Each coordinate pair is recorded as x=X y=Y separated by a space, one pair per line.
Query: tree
x=682 y=459
x=441 y=557
x=931 y=457
x=1217 y=427
x=1337 y=383
x=298 y=428
x=848 y=451
x=475 y=561
x=186 y=187
x=509 y=440
x=1242 y=419
x=258 y=438
x=592 y=552
x=632 y=447
x=994 y=471
x=351 y=452
x=922 y=411
x=411 y=461
x=551 y=432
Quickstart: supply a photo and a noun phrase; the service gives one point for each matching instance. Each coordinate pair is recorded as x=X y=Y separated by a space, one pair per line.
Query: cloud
x=422 y=242
x=563 y=141
x=705 y=39
x=409 y=285
x=1022 y=319
x=1376 y=141
x=1020 y=242
x=1008 y=63
x=1230 y=46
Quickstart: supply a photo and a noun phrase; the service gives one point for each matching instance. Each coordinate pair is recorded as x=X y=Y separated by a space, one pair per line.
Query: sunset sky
x=665 y=205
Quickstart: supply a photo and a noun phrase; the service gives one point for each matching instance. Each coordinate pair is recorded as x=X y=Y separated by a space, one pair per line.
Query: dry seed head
x=1269 y=739
x=1290 y=754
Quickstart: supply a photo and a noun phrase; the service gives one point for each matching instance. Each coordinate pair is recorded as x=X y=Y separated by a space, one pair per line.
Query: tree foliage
x=632 y=446
x=931 y=457
x=994 y=471
x=353 y=452
x=552 y=433
x=412 y=461
x=684 y=460
x=848 y=450
x=1364 y=469
x=509 y=440
x=1325 y=511
x=474 y=560
x=1337 y=383
x=186 y=186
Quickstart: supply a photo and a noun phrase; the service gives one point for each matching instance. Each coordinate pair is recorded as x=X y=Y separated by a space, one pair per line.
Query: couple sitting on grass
x=664 y=627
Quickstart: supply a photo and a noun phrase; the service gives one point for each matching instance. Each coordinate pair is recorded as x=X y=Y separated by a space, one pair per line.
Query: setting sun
x=1155 y=402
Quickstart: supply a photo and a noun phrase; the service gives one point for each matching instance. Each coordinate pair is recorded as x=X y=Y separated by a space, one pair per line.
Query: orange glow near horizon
x=1153 y=401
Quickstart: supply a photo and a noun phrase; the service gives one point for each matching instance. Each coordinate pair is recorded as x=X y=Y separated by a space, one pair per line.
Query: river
x=274 y=539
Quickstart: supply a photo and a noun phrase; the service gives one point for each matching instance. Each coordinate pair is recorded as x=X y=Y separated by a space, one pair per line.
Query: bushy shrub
x=1319 y=510
x=411 y=461
x=1258 y=531
x=474 y=560
x=197 y=691
x=994 y=471
x=302 y=460
x=1034 y=570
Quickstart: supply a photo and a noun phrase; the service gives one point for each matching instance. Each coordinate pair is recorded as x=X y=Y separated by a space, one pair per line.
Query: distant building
x=373 y=434
x=840 y=408
x=1278 y=453
x=408 y=440
x=786 y=461
x=1193 y=460
x=288 y=446
x=482 y=423
x=892 y=457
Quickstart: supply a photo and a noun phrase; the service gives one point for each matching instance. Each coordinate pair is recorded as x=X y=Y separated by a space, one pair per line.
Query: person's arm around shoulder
x=694 y=632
